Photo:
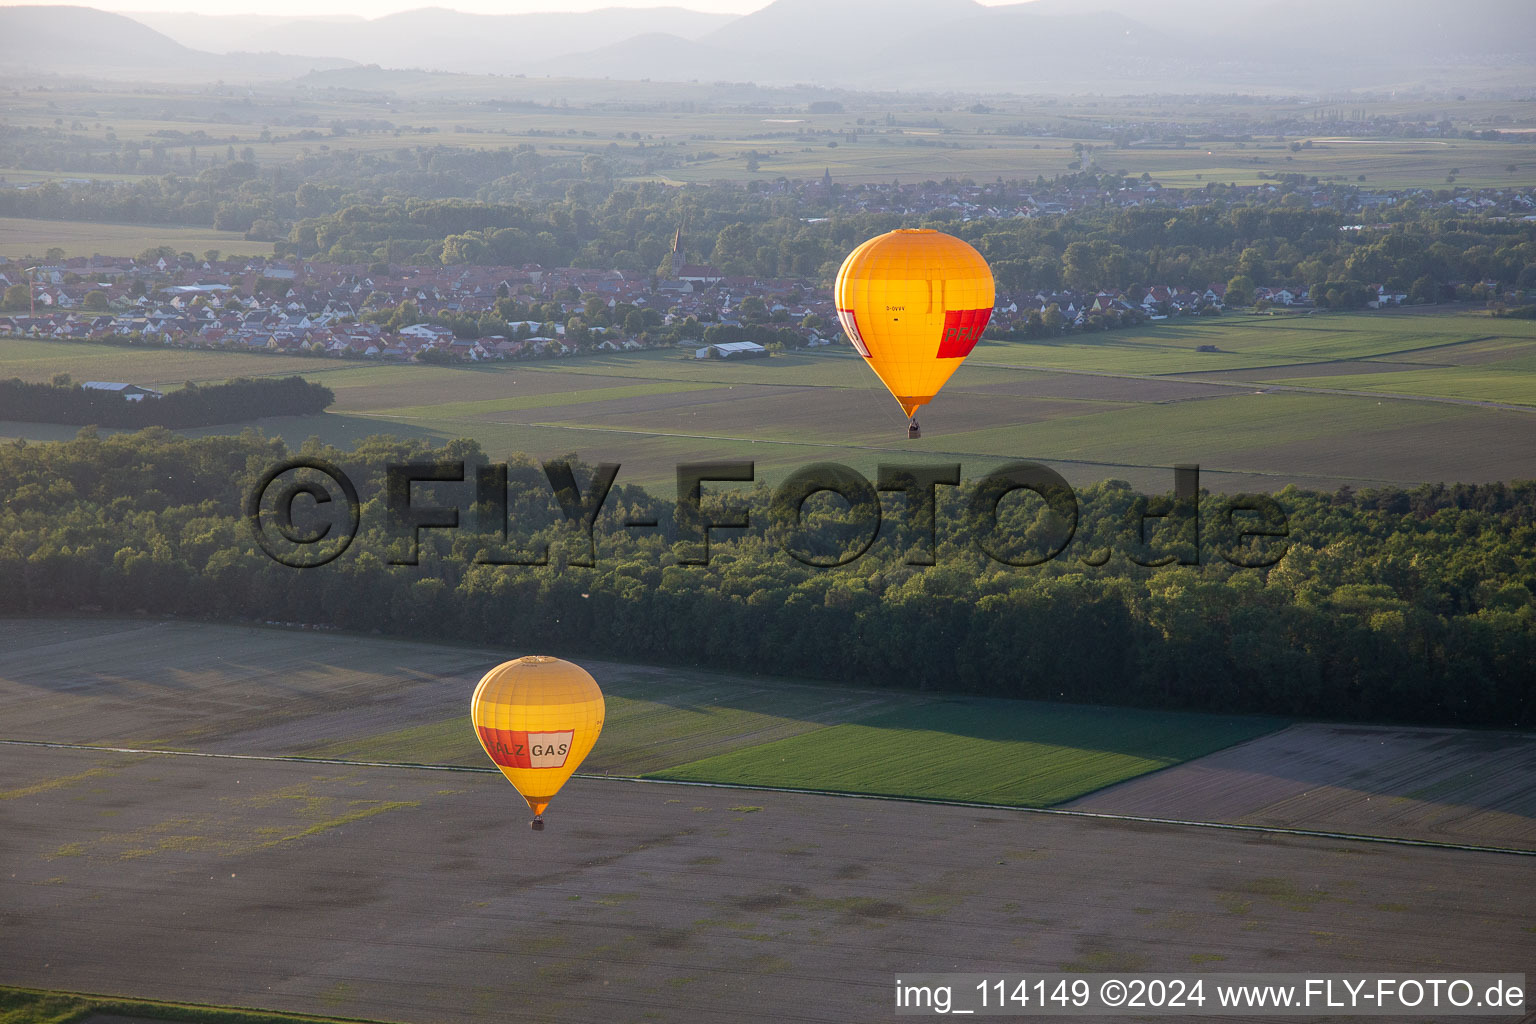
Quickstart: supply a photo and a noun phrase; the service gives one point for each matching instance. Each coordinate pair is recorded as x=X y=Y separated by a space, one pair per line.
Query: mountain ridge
x=1253 y=46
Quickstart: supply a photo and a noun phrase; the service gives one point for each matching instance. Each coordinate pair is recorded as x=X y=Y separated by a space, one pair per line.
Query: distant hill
x=839 y=30
x=83 y=35
x=1265 y=47
x=437 y=38
x=660 y=57
x=85 y=41
x=225 y=33
x=1259 y=46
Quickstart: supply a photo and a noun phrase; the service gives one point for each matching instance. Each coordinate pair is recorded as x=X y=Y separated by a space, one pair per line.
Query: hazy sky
x=375 y=9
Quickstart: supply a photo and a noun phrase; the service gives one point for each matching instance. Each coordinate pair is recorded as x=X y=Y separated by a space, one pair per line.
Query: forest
x=195 y=405
x=1393 y=605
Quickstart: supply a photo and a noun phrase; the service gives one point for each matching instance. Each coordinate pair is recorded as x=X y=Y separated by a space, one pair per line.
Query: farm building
x=731 y=350
x=129 y=392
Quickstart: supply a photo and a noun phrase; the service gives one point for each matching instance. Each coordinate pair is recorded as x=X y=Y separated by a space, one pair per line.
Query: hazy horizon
x=363 y=9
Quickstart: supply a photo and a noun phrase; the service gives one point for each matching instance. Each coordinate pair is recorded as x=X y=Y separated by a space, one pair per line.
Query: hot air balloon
x=537 y=718
x=914 y=303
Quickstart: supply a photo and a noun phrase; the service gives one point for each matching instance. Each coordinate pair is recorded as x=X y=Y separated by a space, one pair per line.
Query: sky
x=378 y=8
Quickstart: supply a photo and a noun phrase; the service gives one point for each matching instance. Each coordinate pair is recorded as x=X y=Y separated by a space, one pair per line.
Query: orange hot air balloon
x=914 y=303
x=537 y=718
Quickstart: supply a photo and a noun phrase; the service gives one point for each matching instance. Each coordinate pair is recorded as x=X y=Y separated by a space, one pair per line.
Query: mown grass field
x=142 y=364
x=654 y=720
x=23 y=237
x=1247 y=343
x=1512 y=381
x=1124 y=404
x=1017 y=753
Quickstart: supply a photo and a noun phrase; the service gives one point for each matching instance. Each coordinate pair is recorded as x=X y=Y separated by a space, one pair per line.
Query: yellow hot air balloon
x=914 y=303
x=537 y=718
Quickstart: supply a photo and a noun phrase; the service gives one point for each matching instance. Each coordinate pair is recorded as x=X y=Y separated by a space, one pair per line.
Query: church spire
x=677 y=248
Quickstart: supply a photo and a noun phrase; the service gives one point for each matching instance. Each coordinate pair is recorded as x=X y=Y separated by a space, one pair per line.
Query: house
x=732 y=350
x=129 y=392
x=427 y=332
x=693 y=274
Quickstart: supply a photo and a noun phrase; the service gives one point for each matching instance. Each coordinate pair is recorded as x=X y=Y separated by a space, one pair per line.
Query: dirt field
x=416 y=895
x=1446 y=785
x=234 y=689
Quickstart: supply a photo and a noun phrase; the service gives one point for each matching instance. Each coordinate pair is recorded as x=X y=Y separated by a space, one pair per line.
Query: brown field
x=1445 y=785
x=253 y=690
x=417 y=894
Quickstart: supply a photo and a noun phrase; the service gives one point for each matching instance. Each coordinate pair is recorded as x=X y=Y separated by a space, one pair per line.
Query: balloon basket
x=913 y=430
x=537 y=824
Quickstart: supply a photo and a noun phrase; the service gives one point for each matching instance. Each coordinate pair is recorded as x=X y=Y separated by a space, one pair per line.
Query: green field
x=369 y=699
x=654 y=720
x=1364 y=398
x=1256 y=342
x=1017 y=753
x=923 y=140
x=24 y=238
x=143 y=364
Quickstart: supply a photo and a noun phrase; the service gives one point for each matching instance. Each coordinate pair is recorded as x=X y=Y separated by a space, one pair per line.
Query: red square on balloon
x=962 y=330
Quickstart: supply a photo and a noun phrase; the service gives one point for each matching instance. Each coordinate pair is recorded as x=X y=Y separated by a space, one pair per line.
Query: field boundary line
x=1059 y=811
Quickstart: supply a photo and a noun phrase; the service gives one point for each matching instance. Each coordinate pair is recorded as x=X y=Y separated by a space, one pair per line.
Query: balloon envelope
x=914 y=303
x=537 y=719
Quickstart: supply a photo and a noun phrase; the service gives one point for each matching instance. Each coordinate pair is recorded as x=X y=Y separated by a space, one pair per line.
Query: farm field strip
x=25 y=236
x=1244 y=346
x=364 y=699
x=205 y=688
x=519 y=403
x=652 y=410
x=665 y=899
x=1494 y=385
x=985 y=751
x=33 y=360
x=657 y=780
x=1441 y=785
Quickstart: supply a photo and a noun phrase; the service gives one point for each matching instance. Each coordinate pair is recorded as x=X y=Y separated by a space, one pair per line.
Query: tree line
x=195 y=405
x=1406 y=605
x=1424 y=253
x=451 y=205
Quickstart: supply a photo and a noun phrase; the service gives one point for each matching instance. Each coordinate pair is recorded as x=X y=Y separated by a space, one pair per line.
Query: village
x=207 y=304
x=469 y=312
x=322 y=309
